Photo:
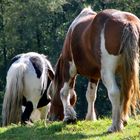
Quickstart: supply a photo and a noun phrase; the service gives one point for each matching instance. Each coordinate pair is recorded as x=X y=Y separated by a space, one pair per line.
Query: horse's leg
x=91 y=97
x=108 y=78
x=69 y=113
x=65 y=95
x=109 y=65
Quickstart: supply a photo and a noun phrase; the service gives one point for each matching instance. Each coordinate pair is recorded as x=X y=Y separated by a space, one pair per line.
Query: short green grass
x=83 y=130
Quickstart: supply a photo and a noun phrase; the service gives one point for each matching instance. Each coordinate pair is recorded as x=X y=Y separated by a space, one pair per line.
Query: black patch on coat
x=24 y=101
x=36 y=62
x=44 y=100
x=27 y=112
x=14 y=59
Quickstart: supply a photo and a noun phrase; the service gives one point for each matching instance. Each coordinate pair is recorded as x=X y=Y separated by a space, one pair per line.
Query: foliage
x=83 y=130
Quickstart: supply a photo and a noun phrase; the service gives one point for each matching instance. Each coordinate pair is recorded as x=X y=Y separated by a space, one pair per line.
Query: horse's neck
x=58 y=78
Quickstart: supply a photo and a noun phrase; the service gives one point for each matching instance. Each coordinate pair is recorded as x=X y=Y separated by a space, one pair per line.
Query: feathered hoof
x=113 y=129
x=28 y=122
x=70 y=120
x=91 y=118
x=70 y=115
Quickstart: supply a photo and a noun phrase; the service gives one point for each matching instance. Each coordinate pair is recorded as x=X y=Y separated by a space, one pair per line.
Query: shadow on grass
x=51 y=132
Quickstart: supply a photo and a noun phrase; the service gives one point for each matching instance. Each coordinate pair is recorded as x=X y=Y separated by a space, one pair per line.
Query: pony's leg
x=44 y=112
x=27 y=112
x=40 y=113
x=35 y=115
x=31 y=105
x=91 y=97
x=32 y=94
x=65 y=95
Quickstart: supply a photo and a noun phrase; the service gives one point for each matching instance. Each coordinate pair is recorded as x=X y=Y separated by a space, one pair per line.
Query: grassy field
x=83 y=130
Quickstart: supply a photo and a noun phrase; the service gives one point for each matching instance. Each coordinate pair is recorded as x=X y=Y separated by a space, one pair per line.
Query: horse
x=27 y=81
x=99 y=46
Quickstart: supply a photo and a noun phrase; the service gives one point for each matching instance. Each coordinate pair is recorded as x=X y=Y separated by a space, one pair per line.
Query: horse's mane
x=58 y=73
x=86 y=11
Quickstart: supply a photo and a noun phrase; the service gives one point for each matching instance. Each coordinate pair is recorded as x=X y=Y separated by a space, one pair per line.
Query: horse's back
x=113 y=23
x=75 y=42
x=75 y=33
x=83 y=40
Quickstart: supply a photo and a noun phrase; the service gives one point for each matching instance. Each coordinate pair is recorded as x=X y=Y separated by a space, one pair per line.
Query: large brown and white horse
x=98 y=47
x=28 y=79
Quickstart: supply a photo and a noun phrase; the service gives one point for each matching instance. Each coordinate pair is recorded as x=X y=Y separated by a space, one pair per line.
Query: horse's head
x=56 y=108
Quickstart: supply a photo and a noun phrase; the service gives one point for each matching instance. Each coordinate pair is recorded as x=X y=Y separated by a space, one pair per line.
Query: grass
x=83 y=130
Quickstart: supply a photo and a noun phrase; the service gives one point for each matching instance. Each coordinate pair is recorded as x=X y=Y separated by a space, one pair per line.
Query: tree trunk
x=4 y=50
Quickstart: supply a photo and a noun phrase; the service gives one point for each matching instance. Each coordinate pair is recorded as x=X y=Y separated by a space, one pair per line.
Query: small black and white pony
x=28 y=79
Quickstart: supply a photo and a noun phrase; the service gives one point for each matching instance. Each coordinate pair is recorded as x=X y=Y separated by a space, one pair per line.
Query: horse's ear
x=50 y=74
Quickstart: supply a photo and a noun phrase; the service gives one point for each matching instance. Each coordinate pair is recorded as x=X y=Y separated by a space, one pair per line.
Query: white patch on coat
x=33 y=86
x=69 y=112
x=72 y=69
x=65 y=89
x=108 y=67
x=91 y=97
x=109 y=64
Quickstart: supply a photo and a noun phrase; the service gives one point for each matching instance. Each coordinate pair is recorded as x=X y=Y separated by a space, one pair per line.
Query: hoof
x=27 y=123
x=125 y=123
x=70 y=120
x=70 y=115
x=113 y=129
x=53 y=117
x=91 y=118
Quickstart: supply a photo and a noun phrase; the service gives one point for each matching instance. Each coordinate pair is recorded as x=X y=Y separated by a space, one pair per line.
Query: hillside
x=83 y=130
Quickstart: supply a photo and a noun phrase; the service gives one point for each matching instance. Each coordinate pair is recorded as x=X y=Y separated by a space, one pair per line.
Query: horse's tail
x=130 y=75
x=11 y=111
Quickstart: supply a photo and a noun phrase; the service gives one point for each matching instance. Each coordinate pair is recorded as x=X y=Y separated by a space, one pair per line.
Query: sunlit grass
x=82 y=130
